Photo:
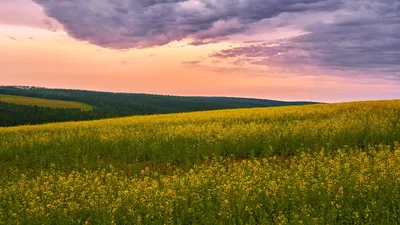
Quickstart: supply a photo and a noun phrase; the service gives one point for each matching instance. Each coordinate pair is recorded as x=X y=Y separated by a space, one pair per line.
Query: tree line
x=13 y=114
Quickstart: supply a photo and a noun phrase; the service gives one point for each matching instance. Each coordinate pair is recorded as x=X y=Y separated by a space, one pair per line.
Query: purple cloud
x=358 y=35
x=364 y=36
x=122 y=24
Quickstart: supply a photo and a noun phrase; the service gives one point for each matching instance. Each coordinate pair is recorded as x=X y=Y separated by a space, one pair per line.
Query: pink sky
x=37 y=51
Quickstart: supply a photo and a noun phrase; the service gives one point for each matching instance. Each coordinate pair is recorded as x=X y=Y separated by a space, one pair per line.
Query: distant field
x=315 y=164
x=22 y=100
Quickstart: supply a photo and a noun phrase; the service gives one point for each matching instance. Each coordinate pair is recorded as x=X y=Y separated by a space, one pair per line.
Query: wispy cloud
x=191 y=63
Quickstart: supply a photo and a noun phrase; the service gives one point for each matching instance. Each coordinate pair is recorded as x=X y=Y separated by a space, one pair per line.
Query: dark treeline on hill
x=13 y=115
x=108 y=105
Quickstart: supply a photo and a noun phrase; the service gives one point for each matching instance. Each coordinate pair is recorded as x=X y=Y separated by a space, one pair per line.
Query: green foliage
x=13 y=114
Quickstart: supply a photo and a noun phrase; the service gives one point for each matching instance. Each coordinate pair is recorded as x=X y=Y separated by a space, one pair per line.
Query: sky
x=317 y=50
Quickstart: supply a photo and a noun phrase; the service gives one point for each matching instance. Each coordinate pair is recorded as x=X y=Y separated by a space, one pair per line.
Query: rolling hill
x=109 y=105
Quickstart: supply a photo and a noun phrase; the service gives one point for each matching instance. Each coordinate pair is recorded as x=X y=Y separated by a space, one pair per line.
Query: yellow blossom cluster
x=348 y=186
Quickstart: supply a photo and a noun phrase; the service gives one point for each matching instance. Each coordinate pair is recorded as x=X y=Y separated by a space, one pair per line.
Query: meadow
x=23 y=100
x=315 y=164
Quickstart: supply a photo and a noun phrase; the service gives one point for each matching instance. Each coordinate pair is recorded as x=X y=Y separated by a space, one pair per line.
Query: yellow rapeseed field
x=319 y=164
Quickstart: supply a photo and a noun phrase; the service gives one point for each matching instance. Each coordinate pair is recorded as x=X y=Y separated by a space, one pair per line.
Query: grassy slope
x=23 y=100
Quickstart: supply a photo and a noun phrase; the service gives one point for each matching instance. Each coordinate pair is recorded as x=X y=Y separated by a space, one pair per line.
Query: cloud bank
x=124 y=24
x=363 y=36
x=357 y=34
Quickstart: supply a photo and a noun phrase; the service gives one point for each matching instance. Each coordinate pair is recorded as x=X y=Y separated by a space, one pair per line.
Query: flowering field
x=319 y=164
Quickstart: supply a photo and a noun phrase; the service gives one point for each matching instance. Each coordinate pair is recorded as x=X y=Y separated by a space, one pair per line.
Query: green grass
x=22 y=100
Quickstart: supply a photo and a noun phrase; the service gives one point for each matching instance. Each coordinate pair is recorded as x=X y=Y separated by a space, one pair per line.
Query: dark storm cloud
x=364 y=36
x=124 y=24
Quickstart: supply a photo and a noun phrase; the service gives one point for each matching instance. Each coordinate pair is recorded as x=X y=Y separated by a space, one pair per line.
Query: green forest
x=111 y=105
